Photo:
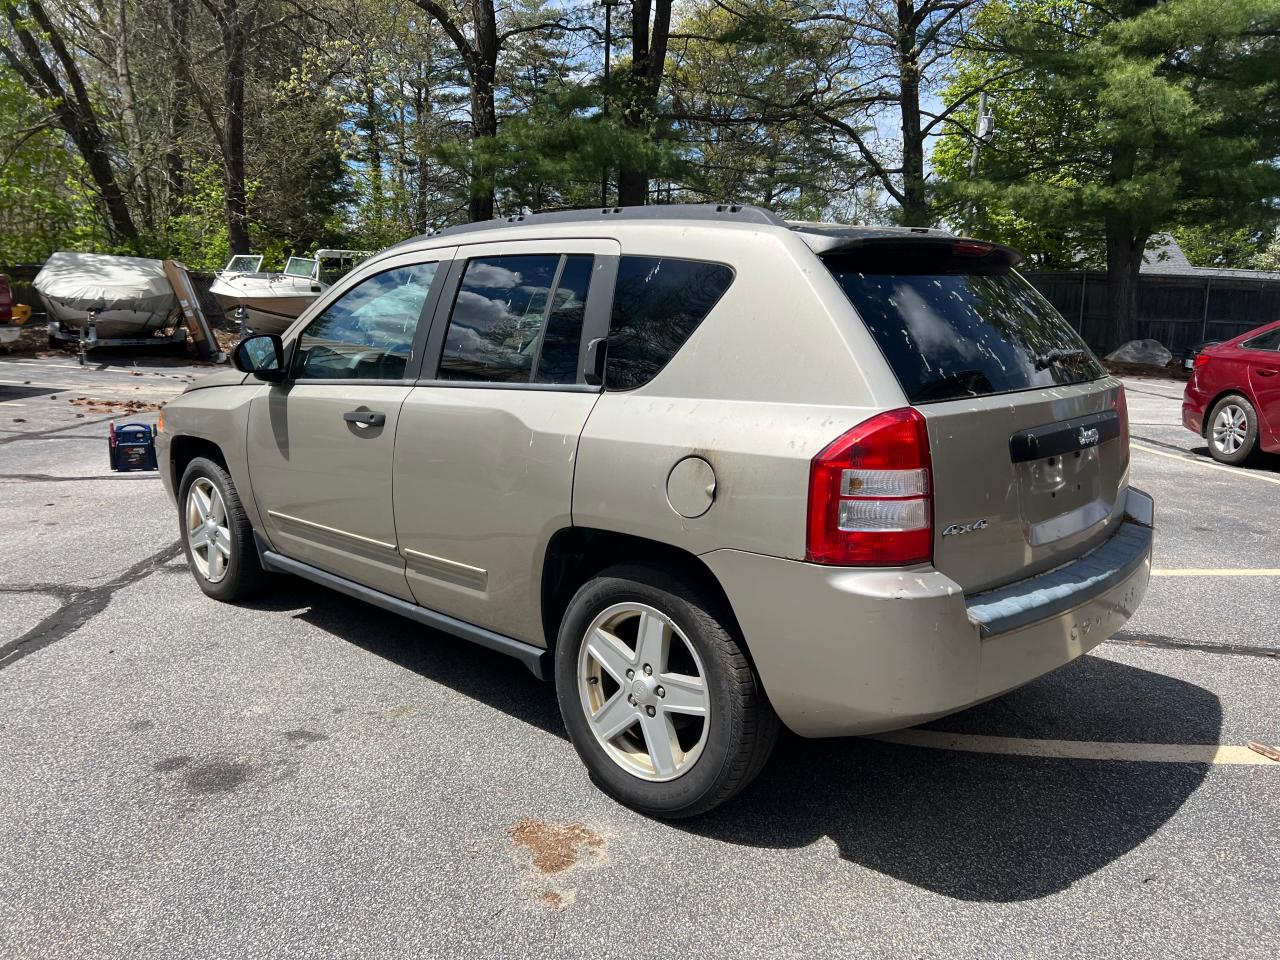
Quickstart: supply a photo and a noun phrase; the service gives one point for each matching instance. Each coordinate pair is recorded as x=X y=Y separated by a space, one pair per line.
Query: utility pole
x=984 y=128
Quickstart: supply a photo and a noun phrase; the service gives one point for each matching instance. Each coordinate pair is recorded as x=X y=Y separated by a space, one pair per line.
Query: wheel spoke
x=653 y=641
x=660 y=738
x=684 y=694
x=198 y=537
x=213 y=557
x=222 y=540
x=219 y=509
x=201 y=501
x=612 y=654
x=615 y=716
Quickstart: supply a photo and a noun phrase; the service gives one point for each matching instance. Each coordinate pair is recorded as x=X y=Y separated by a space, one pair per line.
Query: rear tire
x=619 y=713
x=216 y=534
x=1233 y=430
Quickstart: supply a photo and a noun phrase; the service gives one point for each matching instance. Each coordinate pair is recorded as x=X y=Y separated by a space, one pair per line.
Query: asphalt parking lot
x=310 y=777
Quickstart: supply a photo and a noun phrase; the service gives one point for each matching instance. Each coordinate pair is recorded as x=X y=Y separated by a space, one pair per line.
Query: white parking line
x=1210 y=753
x=1208 y=465
x=1193 y=572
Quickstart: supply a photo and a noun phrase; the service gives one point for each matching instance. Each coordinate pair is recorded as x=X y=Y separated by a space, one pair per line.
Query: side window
x=367 y=333
x=1267 y=341
x=657 y=304
x=558 y=358
x=507 y=327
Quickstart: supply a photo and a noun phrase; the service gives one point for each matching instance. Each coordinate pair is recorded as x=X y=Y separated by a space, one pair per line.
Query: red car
x=1233 y=396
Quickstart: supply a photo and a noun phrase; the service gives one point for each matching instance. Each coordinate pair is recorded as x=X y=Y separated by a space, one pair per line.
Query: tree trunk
x=179 y=111
x=915 y=206
x=648 y=62
x=1124 y=263
x=484 y=114
x=73 y=110
x=484 y=127
x=373 y=152
x=129 y=113
x=422 y=183
x=235 y=37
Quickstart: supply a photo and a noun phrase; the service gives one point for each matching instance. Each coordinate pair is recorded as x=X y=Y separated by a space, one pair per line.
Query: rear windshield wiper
x=966 y=383
x=1046 y=360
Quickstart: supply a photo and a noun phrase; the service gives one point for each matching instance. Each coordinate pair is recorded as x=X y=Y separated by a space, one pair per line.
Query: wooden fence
x=1176 y=310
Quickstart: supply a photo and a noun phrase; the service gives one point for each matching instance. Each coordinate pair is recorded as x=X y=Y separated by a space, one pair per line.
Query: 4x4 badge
x=955 y=529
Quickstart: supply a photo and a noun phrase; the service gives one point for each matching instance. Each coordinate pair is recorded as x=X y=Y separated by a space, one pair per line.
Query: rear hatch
x=1028 y=434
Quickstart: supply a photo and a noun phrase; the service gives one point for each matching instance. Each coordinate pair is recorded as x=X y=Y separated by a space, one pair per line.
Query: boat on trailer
x=269 y=302
x=107 y=299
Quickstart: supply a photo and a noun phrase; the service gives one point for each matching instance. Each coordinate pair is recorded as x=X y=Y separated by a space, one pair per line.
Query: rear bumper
x=1193 y=408
x=844 y=651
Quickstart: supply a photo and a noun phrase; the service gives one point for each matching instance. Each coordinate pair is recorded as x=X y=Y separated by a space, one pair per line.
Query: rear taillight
x=1200 y=360
x=1121 y=407
x=869 y=495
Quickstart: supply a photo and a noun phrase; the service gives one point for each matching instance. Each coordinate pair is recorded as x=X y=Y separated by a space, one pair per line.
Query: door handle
x=365 y=418
x=1267 y=372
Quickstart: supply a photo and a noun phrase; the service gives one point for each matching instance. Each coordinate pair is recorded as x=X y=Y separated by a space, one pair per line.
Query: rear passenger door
x=487 y=439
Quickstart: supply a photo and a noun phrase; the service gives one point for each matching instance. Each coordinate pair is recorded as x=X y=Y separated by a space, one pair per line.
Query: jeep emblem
x=1088 y=436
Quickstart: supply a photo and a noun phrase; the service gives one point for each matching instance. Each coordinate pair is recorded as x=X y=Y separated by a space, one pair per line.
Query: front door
x=321 y=443
x=487 y=441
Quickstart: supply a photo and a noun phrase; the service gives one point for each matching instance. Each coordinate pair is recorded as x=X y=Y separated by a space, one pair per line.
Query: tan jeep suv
x=709 y=470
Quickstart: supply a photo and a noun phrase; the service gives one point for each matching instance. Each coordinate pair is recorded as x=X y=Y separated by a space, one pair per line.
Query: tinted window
x=368 y=332
x=503 y=305
x=558 y=358
x=658 y=303
x=1268 y=341
x=949 y=330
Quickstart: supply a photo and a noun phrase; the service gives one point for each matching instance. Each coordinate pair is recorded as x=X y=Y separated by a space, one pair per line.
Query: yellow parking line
x=1208 y=465
x=1211 y=753
x=1193 y=572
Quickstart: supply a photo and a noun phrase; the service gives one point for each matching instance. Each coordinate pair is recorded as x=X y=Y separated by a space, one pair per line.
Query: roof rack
x=737 y=212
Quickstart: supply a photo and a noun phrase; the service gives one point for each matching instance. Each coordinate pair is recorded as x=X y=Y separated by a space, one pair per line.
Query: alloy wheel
x=644 y=691
x=208 y=533
x=1230 y=428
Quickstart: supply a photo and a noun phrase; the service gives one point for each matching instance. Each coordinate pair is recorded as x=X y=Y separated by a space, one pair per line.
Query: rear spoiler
x=916 y=239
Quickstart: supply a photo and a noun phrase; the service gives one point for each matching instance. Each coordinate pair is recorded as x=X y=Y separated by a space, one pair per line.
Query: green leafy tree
x=741 y=94
x=1124 y=118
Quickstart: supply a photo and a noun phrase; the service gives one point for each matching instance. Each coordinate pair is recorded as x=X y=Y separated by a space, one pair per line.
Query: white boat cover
x=84 y=280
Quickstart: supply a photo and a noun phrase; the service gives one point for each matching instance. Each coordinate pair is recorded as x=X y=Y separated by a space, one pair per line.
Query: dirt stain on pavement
x=553 y=847
x=555 y=900
x=303 y=738
x=218 y=777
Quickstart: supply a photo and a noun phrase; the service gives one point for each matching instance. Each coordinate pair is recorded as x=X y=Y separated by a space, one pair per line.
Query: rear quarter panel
x=769 y=378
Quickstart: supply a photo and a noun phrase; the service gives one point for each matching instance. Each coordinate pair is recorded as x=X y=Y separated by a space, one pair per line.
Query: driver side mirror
x=263 y=356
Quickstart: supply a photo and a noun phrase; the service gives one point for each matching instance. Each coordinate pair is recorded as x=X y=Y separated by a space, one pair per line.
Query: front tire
x=658 y=697
x=216 y=534
x=1233 y=430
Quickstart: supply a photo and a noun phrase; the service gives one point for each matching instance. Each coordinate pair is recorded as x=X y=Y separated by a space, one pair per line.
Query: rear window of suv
x=954 y=326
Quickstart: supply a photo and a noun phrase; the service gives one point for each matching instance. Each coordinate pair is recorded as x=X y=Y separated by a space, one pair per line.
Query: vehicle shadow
x=970 y=826
x=1261 y=460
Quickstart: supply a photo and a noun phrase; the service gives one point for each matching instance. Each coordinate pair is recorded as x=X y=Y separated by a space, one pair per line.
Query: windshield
x=243 y=263
x=299 y=267
x=951 y=330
